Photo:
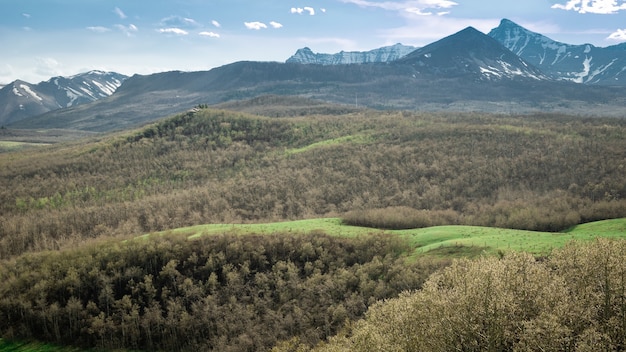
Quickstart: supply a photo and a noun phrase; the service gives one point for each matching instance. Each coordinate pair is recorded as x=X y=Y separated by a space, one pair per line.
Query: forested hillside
x=574 y=301
x=216 y=293
x=541 y=172
x=74 y=270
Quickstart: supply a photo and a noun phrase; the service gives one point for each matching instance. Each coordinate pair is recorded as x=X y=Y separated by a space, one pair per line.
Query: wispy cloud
x=47 y=66
x=301 y=10
x=417 y=11
x=174 y=30
x=6 y=73
x=99 y=29
x=179 y=22
x=216 y=24
x=255 y=25
x=276 y=25
x=417 y=7
x=603 y=7
x=119 y=13
x=26 y=15
x=619 y=35
x=209 y=34
x=128 y=30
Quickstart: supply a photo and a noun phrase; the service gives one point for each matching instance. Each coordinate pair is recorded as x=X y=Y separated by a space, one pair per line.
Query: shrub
x=400 y=217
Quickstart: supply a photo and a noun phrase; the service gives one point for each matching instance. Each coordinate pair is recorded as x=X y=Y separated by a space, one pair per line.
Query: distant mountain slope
x=384 y=54
x=470 y=53
x=577 y=63
x=19 y=99
x=467 y=71
x=286 y=106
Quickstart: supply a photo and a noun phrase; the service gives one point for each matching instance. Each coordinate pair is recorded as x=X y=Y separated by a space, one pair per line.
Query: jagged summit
x=583 y=63
x=384 y=54
x=21 y=99
x=470 y=52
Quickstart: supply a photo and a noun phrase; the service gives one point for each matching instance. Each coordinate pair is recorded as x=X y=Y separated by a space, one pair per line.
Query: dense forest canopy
x=74 y=269
x=221 y=293
x=574 y=301
x=538 y=172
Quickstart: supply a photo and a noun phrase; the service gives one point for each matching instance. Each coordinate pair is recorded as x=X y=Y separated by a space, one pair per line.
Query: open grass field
x=450 y=241
x=6 y=346
x=7 y=146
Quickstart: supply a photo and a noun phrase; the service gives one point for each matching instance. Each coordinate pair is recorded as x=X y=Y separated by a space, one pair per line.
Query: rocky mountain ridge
x=467 y=71
x=384 y=54
x=584 y=63
x=470 y=53
x=20 y=99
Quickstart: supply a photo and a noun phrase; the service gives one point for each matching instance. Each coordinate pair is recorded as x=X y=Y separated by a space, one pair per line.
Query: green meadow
x=450 y=241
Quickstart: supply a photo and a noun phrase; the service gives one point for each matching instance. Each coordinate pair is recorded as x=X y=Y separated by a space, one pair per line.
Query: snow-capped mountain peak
x=384 y=54
x=21 y=99
x=470 y=53
x=583 y=63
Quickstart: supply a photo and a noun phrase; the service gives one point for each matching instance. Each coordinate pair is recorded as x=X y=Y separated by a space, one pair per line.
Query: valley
x=454 y=196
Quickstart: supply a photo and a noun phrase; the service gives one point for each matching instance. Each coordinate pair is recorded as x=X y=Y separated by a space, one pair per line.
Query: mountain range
x=19 y=99
x=466 y=71
x=384 y=54
x=577 y=63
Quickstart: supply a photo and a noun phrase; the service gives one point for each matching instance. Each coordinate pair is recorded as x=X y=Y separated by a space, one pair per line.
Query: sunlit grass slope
x=6 y=346
x=438 y=240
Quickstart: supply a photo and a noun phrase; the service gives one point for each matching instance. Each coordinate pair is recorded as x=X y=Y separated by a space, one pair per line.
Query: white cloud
x=99 y=29
x=419 y=12
x=6 y=73
x=255 y=25
x=47 y=66
x=323 y=10
x=276 y=24
x=603 y=7
x=301 y=10
x=128 y=30
x=209 y=34
x=438 y=4
x=619 y=35
x=119 y=13
x=216 y=24
x=176 y=31
x=431 y=28
x=26 y=15
x=179 y=22
x=411 y=6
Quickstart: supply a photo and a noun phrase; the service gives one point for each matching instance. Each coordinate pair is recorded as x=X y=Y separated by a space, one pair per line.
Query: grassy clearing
x=358 y=139
x=449 y=241
x=8 y=146
x=9 y=346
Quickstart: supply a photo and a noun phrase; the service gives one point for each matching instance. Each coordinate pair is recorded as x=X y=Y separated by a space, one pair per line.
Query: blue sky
x=40 y=39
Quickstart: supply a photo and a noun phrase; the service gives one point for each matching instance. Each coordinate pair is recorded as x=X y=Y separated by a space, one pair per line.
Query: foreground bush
x=223 y=293
x=400 y=218
x=573 y=301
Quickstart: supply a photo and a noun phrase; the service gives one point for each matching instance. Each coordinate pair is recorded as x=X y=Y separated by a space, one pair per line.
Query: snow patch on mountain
x=30 y=91
x=17 y=92
x=384 y=54
x=584 y=63
x=21 y=99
